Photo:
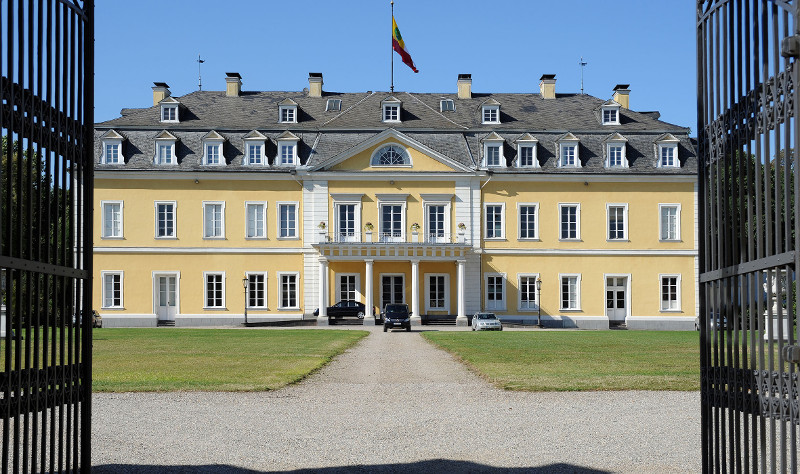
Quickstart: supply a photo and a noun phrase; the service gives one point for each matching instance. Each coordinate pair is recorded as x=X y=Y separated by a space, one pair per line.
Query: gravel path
x=395 y=403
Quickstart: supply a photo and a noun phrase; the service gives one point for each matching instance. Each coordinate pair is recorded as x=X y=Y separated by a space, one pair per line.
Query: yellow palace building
x=452 y=203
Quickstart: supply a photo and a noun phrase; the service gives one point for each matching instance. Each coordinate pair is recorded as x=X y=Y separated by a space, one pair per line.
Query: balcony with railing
x=392 y=237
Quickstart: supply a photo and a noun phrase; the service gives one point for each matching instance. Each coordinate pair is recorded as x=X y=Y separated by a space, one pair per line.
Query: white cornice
x=204 y=250
x=590 y=252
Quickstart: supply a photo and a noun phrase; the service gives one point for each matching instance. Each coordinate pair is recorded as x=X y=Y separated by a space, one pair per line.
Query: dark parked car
x=345 y=308
x=396 y=315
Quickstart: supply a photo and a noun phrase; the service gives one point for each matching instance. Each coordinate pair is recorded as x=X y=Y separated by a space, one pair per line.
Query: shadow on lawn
x=433 y=466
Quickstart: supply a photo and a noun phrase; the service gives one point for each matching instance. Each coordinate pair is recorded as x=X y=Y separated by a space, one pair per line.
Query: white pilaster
x=369 y=319
x=416 y=318
x=461 y=318
x=322 y=319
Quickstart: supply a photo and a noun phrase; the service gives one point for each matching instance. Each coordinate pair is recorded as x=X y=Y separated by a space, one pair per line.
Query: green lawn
x=579 y=360
x=145 y=360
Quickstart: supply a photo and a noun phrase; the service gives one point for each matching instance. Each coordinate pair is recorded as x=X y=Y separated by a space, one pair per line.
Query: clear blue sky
x=505 y=44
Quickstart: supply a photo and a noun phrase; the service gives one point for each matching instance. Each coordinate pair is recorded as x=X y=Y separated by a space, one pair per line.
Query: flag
x=400 y=46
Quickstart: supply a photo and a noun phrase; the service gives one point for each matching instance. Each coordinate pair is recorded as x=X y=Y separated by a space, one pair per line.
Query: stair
x=163 y=323
x=619 y=325
x=346 y=322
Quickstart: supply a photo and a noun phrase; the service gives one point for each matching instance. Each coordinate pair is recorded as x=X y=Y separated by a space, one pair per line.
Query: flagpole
x=391 y=49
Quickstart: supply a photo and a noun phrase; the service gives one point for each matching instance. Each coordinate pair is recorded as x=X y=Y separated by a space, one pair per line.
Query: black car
x=345 y=308
x=396 y=315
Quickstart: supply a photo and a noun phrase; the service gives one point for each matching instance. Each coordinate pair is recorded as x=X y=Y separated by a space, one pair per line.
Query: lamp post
x=245 y=280
x=538 y=301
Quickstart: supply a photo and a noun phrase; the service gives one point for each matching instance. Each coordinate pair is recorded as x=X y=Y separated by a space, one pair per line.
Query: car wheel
x=408 y=328
x=473 y=328
x=360 y=315
x=385 y=329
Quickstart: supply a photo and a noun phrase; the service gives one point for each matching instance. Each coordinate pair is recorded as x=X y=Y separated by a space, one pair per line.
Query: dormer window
x=615 y=150
x=333 y=105
x=493 y=151
x=212 y=149
x=254 y=153
x=287 y=149
x=666 y=148
x=165 y=149
x=491 y=111
x=111 y=148
x=526 y=151
x=287 y=111
x=568 y=156
x=390 y=155
x=447 y=105
x=169 y=110
x=609 y=113
x=391 y=113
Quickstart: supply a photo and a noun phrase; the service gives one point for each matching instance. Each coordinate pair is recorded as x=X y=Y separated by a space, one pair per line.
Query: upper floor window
x=169 y=110
x=667 y=156
x=528 y=220
x=495 y=227
x=667 y=151
x=287 y=149
x=111 y=148
x=669 y=224
x=569 y=221
x=490 y=112
x=112 y=219
x=615 y=149
x=447 y=105
x=390 y=155
x=165 y=149
x=165 y=219
x=347 y=217
x=610 y=116
x=493 y=150
x=568 y=151
x=391 y=109
x=212 y=149
x=288 y=114
x=256 y=215
x=214 y=220
x=526 y=151
x=254 y=144
x=287 y=220
x=333 y=105
x=617 y=221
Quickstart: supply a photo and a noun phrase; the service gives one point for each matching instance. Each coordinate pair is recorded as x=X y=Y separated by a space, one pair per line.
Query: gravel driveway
x=395 y=403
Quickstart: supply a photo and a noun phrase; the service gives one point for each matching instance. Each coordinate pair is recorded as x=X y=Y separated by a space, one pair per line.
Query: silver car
x=486 y=322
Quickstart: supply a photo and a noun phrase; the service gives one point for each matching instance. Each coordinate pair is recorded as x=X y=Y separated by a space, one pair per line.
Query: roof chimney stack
x=160 y=92
x=622 y=95
x=464 y=86
x=547 y=86
x=233 y=84
x=315 y=84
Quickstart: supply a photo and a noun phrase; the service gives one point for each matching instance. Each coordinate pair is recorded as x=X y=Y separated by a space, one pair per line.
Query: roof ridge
x=349 y=108
x=436 y=112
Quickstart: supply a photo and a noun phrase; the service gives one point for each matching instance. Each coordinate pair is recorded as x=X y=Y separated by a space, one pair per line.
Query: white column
x=369 y=319
x=416 y=317
x=322 y=318
x=461 y=318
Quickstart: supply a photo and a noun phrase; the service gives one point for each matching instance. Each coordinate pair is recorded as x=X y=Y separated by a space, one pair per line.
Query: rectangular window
x=333 y=105
x=569 y=155
x=391 y=113
x=447 y=105
x=669 y=223
x=254 y=155
x=169 y=114
x=615 y=155
x=617 y=227
x=609 y=116
x=527 y=221
x=256 y=290
x=288 y=114
x=437 y=292
x=525 y=156
x=164 y=154
x=668 y=156
x=670 y=293
x=348 y=287
x=493 y=155
x=112 y=219
x=165 y=219
x=495 y=292
x=569 y=216
x=112 y=153
x=215 y=290
x=212 y=154
x=570 y=292
x=287 y=215
x=494 y=221
x=527 y=293
x=436 y=223
x=112 y=290
x=346 y=222
x=213 y=220
x=392 y=222
x=287 y=154
x=288 y=290
x=256 y=220
x=491 y=115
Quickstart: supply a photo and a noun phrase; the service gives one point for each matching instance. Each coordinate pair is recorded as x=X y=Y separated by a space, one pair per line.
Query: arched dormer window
x=390 y=155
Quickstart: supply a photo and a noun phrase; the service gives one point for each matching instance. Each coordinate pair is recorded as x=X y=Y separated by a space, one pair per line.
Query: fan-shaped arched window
x=391 y=155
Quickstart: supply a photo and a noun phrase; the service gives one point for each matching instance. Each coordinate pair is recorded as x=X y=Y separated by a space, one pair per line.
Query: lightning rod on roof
x=582 y=64
x=199 y=76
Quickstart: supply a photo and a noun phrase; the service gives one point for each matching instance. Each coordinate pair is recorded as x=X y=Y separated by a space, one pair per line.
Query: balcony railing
x=370 y=237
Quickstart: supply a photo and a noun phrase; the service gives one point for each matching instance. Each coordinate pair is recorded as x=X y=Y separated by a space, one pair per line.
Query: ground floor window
x=570 y=292
x=112 y=289
x=256 y=290
x=495 y=292
x=670 y=292
x=436 y=292
x=215 y=290
x=348 y=287
x=288 y=290
x=527 y=292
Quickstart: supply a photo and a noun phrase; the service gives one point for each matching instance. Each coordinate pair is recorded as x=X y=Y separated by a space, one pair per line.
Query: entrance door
x=348 y=287
x=166 y=297
x=616 y=287
x=391 y=289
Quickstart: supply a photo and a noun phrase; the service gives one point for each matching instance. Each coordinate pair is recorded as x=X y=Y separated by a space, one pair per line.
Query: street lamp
x=538 y=301
x=245 y=280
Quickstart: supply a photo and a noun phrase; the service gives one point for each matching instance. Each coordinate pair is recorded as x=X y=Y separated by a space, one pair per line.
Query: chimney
x=160 y=92
x=465 y=86
x=547 y=86
x=233 y=84
x=622 y=95
x=315 y=84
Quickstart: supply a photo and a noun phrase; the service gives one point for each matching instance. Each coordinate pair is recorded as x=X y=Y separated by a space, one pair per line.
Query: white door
x=436 y=223
x=616 y=298
x=348 y=287
x=166 y=297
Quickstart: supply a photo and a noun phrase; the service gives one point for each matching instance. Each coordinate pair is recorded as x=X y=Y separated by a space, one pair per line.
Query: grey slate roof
x=454 y=134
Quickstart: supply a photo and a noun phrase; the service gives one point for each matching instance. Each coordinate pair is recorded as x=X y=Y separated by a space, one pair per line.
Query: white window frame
x=290 y=111
x=173 y=161
x=520 y=276
x=174 y=220
x=334 y=105
x=339 y=277
x=266 y=292
x=374 y=160
x=661 y=300
x=624 y=206
x=222 y=218
x=389 y=117
x=112 y=142
x=279 y=157
x=104 y=296
x=623 y=156
x=609 y=108
x=531 y=145
x=577 y=277
x=103 y=206
x=345 y=200
x=403 y=215
x=503 y=304
x=490 y=110
x=502 y=235
x=280 y=276
x=677 y=208
x=259 y=144
x=562 y=145
x=501 y=159
x=450 y=108
x=428 y=307
x=165 y=107
x=278 y=206
x=205 y=290
x=667 y=143
x=433 y=200
x=520 y=205
x=220 y=156
x=577 y=218
x=247 y=205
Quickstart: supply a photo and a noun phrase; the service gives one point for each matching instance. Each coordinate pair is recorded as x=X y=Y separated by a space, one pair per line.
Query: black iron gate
x=748 y=195
x=46 y=116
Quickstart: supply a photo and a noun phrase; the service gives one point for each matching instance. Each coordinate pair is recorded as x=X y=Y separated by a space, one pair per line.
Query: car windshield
x=396 y=308
x=486 y=316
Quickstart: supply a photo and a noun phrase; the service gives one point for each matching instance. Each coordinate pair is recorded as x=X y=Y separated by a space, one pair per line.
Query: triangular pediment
x=611 y=103
x=165 y=135
x=391 y=98
x=287 y=101
x=213 y=135
x=526 y=137
x=255 y=135
x=615 y=137
x=287 y=135
x=667 y=138
x=169 y=100
x=112 y=135
x=492 y=137
x=567 y=137
x=491 y=102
